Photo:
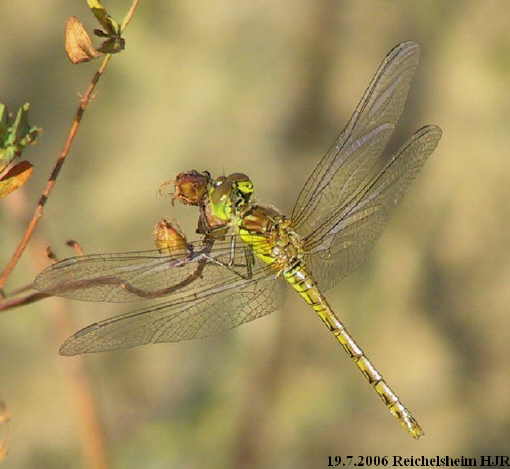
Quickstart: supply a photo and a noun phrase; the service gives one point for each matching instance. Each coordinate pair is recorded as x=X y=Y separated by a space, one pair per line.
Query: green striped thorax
x=262 y=227
x=229 y=195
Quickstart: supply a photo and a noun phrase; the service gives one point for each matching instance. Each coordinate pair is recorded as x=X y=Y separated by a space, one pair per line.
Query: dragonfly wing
x=342 y=242
x=354 y=156
x=132 y=276
x=192 y=318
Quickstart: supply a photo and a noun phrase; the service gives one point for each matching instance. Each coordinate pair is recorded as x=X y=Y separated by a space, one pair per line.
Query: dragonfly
x=247 y=252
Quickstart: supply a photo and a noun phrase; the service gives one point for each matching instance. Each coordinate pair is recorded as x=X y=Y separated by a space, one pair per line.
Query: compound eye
x=242 y=184
x=245 y=187
x=222 y=190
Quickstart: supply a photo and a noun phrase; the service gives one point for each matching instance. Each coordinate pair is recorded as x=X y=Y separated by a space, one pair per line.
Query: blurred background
x=264 y=88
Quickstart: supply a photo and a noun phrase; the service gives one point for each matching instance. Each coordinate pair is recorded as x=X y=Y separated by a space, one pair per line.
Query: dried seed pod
x=78 y=45
x=169 y=238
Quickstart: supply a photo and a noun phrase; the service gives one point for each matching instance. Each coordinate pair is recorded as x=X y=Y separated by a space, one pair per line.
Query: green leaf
x=102 y=15
x=20 y=127
x=3 y=120
x=6 y=156
x=15 y=134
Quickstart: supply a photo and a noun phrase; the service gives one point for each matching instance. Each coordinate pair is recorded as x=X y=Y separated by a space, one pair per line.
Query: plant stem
x=39 y=210
x=129 y=14
x=22 y=301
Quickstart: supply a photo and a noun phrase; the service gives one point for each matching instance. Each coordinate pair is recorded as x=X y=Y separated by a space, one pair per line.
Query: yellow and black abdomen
x=303 y=283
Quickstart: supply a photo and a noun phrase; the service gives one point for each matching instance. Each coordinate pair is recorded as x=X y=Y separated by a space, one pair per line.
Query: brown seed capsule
x=191 y=187
x=169 y=238
x=78 y=45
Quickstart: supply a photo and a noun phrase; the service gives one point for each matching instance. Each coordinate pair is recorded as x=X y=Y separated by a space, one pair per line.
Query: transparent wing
x=132 y=276
x=342 y=241
x=191 y=318
x=352 y=160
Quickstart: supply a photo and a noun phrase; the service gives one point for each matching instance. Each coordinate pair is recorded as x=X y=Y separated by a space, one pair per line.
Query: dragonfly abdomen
x=306 y=287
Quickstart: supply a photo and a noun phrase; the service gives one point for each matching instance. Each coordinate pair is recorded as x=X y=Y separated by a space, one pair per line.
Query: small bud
x=168 y=238
x=78 y=44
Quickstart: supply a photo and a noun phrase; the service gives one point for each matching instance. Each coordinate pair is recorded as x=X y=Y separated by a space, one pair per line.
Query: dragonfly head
x=228 y=195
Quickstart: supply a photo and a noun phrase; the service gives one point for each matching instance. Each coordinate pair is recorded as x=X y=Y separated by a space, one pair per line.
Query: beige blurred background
x=263 y=87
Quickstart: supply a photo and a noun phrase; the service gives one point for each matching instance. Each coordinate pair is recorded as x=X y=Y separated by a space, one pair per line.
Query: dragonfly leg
x=248 y=255
x=232 y=251
x=235 y=267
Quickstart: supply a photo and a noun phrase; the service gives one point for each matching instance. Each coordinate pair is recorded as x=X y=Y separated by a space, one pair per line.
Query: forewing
x=343 y=241
x=132 y=276
x=351 y=161
x=191 y=318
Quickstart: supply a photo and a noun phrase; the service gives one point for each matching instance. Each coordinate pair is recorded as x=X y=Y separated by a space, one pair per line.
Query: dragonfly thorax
x=229 y=195
x=271 y=237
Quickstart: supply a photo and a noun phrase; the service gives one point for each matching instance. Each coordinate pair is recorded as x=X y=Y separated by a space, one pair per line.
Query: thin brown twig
x=30 y=298
x=33 y=297
x=93 y=437
x=76 y=246
x=129 y=15
x=39 y=210
x=24 y=300
x=18 y=291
